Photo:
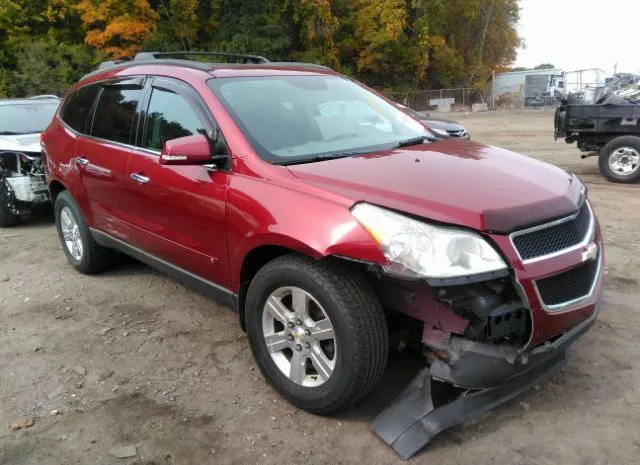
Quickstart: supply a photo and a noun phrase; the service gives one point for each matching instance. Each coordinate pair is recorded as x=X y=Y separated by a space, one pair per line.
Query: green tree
x=392 y=44
x=46 y=67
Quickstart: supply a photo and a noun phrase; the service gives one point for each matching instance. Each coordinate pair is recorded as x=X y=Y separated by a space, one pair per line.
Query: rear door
x=104 y=153
x=178 y=211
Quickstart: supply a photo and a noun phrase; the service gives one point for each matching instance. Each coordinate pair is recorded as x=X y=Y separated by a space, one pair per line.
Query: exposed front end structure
x=492 y=340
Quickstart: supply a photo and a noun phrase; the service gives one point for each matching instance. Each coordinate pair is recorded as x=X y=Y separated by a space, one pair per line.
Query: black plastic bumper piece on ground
x=411 y=422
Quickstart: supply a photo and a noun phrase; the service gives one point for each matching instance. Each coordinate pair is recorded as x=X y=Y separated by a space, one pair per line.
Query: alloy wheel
x=71 y=233
x=299 y=336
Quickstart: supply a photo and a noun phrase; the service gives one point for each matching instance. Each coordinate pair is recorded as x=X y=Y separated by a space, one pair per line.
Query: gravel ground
x=131 y=358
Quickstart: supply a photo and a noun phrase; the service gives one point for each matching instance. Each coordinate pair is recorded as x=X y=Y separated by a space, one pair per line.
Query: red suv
x=335 y=224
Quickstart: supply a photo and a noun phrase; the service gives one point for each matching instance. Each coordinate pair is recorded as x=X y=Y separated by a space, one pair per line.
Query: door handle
x=81 y=161
x=139 y=178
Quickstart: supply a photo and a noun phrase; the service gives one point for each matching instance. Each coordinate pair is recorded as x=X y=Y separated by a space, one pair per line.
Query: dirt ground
x=132 y=358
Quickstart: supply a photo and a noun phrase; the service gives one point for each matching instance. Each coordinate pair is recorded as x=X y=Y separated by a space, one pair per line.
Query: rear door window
x=115 y=114
x=77 y=107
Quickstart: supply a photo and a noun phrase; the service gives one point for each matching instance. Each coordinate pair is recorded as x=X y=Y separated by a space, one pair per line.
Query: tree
x=465 y=25
x=545 y=66
x=46 y=67
x=392 y=44
x=117 y=27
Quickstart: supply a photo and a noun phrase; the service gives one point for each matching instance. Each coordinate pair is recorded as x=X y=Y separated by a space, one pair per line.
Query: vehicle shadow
x=124 y=265
x=41 y=215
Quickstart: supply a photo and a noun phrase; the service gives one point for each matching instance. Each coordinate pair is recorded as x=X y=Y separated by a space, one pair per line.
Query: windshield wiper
x=330 y=156
x=10 y=133
x=412 y=141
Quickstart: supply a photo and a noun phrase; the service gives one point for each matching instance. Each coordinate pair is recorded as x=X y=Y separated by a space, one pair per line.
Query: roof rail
x=299 y=63
x=182 y=58
x=253 y=59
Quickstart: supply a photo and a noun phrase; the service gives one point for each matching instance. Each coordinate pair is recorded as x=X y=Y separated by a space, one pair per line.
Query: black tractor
x=608 y=128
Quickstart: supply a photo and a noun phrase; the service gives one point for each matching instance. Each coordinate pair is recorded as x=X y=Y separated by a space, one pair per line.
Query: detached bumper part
x=412 y=420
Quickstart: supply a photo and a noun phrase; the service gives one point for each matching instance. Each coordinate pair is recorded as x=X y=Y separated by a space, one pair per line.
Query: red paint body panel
x=59 y=147
x=276 y=211
x=103 y=181
x=207 y=222
x=179 y=215
x=449 y=181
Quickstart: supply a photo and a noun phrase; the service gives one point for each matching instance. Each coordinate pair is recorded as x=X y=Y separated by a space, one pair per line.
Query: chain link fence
x=457 y=98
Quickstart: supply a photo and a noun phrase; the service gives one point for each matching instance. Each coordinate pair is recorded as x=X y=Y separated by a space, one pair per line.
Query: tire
x=92 y=258
x=361 y=342
x=7 y=218
x=621 y=147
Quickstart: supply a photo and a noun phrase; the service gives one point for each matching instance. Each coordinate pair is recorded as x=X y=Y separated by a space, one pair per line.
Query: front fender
x=260 y=214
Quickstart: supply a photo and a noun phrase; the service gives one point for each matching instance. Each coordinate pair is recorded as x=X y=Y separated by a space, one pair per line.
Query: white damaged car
x=22 y=180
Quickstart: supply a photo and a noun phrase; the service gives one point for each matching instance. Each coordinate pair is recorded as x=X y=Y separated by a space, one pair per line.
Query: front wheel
x=7 y=218
x=317 y=331
x=619 y=159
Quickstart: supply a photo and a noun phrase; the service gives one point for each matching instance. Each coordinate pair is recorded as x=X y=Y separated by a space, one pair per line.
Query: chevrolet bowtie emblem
x=590 y=252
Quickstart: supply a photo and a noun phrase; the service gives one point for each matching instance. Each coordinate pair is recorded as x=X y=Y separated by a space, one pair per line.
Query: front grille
x=551 y=239
x=458 y=133
x=570 y=285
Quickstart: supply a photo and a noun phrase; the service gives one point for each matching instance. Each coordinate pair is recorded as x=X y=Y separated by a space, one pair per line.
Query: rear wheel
x=619 y=159
x=82 y=251
x=317 y=331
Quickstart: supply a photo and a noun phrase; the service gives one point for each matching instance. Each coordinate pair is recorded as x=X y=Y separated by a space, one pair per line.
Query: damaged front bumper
x=413 y=420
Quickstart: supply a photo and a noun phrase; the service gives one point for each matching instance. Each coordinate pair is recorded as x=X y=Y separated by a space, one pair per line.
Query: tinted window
x=77 y=107
x=26 y=117
x=169 y=117
x=115 y=114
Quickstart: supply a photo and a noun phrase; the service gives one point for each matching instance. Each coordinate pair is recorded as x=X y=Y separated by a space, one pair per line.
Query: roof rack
x=182 y=59
x=112 y=63
x=249 y=59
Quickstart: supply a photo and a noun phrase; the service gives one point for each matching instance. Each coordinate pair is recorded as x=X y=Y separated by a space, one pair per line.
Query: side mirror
x=188 y=150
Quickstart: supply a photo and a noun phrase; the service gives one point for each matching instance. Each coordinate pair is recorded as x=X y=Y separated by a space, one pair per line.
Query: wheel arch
x=55 y=187
x=254 y=260
x=631 y=141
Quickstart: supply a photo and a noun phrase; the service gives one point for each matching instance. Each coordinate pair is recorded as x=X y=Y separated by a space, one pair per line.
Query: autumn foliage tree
x=116 y=27
x=391 y=44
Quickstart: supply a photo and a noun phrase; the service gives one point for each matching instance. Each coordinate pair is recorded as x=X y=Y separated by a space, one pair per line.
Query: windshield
x=26 y=118
x=302 y=118
x=411 y=112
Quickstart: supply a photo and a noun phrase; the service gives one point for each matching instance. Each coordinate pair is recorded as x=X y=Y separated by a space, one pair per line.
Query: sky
x=578 y=34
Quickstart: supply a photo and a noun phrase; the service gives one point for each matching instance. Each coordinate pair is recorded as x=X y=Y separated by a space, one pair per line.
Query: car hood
x=451 y=181
x=442 y=124
x=20 y=143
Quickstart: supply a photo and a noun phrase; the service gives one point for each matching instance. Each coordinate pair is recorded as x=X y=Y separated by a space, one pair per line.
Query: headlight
x=440 y=132
x=419 y=250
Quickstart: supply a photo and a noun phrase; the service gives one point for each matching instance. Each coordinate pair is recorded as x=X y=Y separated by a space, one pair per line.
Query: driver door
x=178 y=211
